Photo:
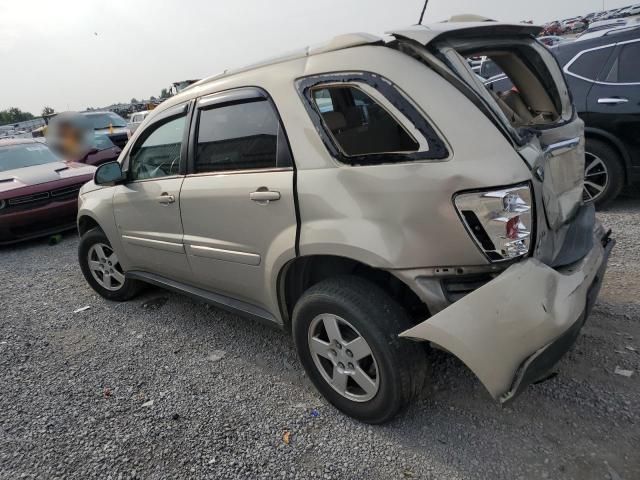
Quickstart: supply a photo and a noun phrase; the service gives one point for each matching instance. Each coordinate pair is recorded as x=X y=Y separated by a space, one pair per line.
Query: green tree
x=14 y=115
x=164 y=93
x=47 y=111
x=133 y=100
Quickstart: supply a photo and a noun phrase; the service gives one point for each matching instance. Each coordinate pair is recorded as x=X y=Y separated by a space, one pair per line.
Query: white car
x=635 y=10
x=606 y=30
x=136 y=119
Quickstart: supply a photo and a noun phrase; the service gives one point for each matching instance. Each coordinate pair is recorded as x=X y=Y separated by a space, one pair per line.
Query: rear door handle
x=263 y=195
x=166 y=199
x=612 y=101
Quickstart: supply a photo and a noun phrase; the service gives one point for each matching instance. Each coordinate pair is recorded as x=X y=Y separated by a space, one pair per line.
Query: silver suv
x=373 y=198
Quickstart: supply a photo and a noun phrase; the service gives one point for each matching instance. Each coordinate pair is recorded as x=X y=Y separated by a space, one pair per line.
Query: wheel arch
x=301 y=273
x=85 y=223
x=613 y=141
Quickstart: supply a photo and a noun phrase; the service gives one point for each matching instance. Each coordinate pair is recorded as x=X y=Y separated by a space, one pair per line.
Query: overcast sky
x=73 y=54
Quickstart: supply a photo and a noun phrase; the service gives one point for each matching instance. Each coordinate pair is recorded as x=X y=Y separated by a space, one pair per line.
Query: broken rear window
x=359 y=124
x=520 y=83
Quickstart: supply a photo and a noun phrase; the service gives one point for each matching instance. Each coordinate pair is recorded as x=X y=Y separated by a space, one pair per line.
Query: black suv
x=604 y=77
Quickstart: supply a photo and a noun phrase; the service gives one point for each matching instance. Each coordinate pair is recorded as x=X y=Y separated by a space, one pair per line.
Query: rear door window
x=241 y=136
x=360 y=125
x=588 y=65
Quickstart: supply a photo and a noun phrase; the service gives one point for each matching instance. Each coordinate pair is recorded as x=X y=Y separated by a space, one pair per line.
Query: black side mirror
x=109 y=173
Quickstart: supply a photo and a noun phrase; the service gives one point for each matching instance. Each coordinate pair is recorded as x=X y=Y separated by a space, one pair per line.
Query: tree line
x=15 y=115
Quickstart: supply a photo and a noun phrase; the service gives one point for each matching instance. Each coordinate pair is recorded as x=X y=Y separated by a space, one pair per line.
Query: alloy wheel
x=105 y=267
x=596 y=178
x=343 y=358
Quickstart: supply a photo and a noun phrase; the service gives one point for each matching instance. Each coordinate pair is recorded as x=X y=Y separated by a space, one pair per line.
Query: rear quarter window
x=360 y=125
x=358 y=129
x=629 y=63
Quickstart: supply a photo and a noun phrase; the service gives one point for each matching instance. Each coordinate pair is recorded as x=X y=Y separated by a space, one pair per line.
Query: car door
x=614 y=100
x=146 y=206
x=237 y=201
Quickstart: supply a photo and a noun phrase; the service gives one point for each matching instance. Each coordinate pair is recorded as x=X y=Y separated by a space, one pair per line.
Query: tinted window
x=358 y=124
x=490 y=69
x=102 y=142
x=590 y=64
x=25 y=155
x=629 y=63
x=243 y=136
x=158 y=154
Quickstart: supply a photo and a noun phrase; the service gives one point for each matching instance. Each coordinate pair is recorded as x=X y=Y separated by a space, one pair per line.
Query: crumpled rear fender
x=494 y=329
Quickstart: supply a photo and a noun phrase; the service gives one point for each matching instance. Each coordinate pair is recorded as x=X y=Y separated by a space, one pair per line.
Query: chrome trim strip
x=612 y=101
x=225 y=255
x=157 y=244
x=559 y=148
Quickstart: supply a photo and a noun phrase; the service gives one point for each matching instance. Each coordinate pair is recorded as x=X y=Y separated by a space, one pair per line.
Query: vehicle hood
x=37 y=174
x=424 y=34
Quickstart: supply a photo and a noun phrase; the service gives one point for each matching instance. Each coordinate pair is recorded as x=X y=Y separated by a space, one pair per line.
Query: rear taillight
x=500 y=221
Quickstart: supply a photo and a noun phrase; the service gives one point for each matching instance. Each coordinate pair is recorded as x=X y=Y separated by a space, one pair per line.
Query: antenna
x=423 y=10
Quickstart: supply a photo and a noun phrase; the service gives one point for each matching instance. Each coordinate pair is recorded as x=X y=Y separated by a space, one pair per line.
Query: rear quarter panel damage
x=497 y=327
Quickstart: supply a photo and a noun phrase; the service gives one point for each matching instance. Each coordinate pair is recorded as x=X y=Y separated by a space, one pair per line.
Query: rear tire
x=369 y=320
x=101 y=268
x=604 y=169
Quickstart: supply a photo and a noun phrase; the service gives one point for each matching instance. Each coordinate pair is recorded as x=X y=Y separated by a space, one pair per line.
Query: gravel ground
x=165 y=387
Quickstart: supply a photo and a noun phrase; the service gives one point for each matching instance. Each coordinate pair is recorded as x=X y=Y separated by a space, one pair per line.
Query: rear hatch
x=534 y=112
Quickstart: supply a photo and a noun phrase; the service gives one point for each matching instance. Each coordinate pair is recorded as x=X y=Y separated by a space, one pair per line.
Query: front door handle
x=165 y=199
x=612 y=101
x=263 y=195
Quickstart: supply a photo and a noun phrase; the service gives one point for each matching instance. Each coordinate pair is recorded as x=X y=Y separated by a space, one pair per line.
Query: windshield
x=25 y=155
x=102 y=142
x=105 y=120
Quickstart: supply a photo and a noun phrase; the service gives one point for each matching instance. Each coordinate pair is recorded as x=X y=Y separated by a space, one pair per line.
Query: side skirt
x=231 y=305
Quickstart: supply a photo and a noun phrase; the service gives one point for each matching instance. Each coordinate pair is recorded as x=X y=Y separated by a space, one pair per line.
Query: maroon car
x=38 y=190
x=102 y=151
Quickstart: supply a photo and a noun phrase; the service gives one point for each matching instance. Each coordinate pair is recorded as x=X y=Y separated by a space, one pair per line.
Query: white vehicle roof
x=612 y=21
x=607 y=31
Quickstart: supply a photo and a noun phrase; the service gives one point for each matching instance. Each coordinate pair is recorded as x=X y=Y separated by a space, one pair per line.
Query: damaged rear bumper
x=513 y=330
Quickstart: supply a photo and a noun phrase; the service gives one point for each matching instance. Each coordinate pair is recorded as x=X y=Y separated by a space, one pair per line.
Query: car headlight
x=499 y=221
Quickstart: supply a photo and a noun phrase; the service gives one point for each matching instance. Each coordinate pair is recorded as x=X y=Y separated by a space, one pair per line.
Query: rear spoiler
x=425 y=35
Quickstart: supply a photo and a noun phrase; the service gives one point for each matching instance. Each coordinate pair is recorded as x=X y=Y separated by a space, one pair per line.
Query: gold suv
x=374 y=198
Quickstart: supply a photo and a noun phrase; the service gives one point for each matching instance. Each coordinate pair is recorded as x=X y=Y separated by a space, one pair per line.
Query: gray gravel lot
x=165 y=387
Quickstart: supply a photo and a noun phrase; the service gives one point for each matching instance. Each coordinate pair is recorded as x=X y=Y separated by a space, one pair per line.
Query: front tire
x=101 y=267
x=346 y=333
